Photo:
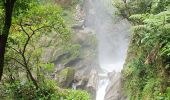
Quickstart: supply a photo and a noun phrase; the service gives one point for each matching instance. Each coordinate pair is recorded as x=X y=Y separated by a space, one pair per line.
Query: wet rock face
x=65 y=77
x=92 y=83
x=63 y=2
x=88 y=82
x=114 y=89
x=85 y=65
x=84 y=79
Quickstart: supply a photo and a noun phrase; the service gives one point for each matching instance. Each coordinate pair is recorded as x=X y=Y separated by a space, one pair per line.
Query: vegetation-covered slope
x=146 y=74
x=28 y=29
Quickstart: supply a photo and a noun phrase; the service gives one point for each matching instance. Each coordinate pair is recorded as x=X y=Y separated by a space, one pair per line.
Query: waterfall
x=112 y=34
x=101 y=91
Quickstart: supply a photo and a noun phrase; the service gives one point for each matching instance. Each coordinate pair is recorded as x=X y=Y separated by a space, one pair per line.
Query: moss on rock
x=65 y=77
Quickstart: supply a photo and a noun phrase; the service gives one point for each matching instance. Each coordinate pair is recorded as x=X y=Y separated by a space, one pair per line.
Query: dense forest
x=40 y=42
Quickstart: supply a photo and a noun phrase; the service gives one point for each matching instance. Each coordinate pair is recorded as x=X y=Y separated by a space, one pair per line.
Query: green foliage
x=35 y=23
x=159 y=5
x=149 y=89
x=22 y=6
x=48 y=67
x=47 y=91
x=77 y=95
x=132 y=7
x=1 y=19
x=168 y=92
x=65 y=77
x=146 y=73
x=25 y=46
x=157 y=31
x=166 y=50
x=74 y=49
x=35 y=28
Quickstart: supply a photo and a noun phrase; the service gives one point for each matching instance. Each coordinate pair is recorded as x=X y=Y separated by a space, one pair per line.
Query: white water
x=113 y=37
x=102 y=87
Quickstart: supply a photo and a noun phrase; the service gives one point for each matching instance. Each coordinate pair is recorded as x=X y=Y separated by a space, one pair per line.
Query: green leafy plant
x=146 y=71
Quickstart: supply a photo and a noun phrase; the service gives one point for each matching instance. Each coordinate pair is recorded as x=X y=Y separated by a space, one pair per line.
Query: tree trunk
x=2 y=52
x=9 y=5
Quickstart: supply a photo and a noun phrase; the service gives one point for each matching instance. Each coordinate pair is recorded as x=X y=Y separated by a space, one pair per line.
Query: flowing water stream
x=113 y=37
x=103 y=83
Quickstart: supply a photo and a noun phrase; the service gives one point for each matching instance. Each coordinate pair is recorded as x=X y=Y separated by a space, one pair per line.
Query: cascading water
x=113 y=37
x=101 y=88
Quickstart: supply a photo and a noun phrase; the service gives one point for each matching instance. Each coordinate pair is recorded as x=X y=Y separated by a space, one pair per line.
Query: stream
x=102 y=87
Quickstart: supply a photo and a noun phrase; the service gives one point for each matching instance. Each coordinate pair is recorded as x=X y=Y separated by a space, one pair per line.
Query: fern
x=151 y=20
x=138 y=17
x=148 y=89
x=166 y=50
x=140 y=28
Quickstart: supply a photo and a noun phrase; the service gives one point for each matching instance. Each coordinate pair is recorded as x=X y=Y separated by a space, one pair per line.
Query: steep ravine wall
x=96 y=22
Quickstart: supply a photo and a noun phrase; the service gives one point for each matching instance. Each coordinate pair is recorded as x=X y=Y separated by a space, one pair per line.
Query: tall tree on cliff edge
x=8 y=8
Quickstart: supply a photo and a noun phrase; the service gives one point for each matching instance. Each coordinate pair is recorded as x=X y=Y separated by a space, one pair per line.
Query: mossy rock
x=66 y=77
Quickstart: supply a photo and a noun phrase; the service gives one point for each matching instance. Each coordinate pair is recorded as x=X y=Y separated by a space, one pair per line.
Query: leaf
x=140 y=27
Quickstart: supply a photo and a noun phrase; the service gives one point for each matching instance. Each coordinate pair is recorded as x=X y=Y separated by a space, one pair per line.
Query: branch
x=152 y=55
x=45 y=26
x=17 y=61
x=20 y=24
x=19 y=52
x=28 y=39
x=28 y=60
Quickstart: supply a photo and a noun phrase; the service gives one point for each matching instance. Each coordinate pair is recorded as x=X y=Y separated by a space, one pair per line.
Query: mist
x=112 y=34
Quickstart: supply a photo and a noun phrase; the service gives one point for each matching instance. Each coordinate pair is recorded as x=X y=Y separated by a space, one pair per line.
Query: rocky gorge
x=90 y=33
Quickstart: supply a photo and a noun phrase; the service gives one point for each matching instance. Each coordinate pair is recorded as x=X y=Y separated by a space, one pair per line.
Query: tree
x=25 y=47
x=8 y=7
